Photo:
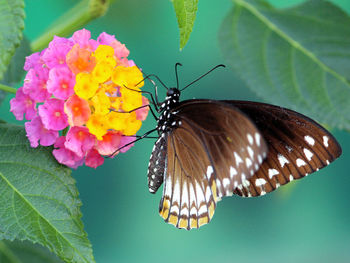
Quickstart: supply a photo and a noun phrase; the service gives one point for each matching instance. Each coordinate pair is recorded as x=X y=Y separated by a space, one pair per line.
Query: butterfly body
x=209 y=149
x=165 y=123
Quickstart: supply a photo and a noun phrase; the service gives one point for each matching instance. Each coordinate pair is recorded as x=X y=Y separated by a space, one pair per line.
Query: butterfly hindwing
x=297 y=145
x=214 y=150
x=189 y=193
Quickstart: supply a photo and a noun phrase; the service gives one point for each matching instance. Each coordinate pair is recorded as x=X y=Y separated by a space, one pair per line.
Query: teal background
x=306 y=221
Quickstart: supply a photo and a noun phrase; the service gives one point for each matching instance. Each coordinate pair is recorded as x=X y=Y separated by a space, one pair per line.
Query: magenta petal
x=79 y=140
x=125 y=140
x=93 y=159
x=61 y=82
x=65 y=156
x=55 y=54
x=22 y=104
x=33 y=61
x=82 y=37
x=35 y=84
x=52 y=114
x=36 y=132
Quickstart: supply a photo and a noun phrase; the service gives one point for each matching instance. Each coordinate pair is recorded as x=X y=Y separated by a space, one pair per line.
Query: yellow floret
x=131 y=98
x=102 y=71
x=132 y=126
x=104 y=52
x=127 y=76
x=85 y=86
x=100 y=103
x=97 y=125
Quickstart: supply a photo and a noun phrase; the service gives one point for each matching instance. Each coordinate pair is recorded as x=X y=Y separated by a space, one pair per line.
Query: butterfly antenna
x=177 y=77
x=149 y=77
x=218 y=66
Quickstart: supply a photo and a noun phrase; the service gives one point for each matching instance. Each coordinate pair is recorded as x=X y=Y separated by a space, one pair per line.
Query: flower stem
x=75 y=18
x=8 y=89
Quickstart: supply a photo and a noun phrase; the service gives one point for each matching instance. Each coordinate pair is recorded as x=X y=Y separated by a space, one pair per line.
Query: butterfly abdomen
x=157 y=164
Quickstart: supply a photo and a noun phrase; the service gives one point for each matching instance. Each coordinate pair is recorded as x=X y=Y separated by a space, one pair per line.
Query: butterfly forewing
x=297 y=146
x=214 y=150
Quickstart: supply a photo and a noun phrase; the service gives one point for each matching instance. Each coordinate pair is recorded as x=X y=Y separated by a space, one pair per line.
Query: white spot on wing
x=325 y=141
x=260 y=181
x=250 y=138
x=202 y=210
x=300 y=162
x=225 y=182
x=238 y=159
x=193 y=211
x=184 y=197
x=248 y=162
x=208 y=193
x=168 y=186
x=283 y=160
x=250 y=152
x=209 y=171
x=257 y=138
x=200 y=195
x=174 y=208
x=309 y=140
x=291 y=178
x=308 y=154
x=233 y=172
x=184 y=211
x=176 y=192
x=192 y=197
x=289 y=149
x=273 y=172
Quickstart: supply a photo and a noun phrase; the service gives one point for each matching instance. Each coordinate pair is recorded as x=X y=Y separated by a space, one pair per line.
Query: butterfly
x=208 y=149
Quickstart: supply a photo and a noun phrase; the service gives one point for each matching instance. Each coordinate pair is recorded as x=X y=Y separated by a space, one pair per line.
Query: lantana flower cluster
x=80 y=96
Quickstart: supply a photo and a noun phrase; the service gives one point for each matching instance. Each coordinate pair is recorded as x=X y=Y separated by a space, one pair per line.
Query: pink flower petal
x=125 y=140
x=22 y=104
x=120 y=49
x=35 y=84
x=142 y=113
x=55 y=54
x=79 y=140
x=33 y=61
x=52 y=114
x=82 y=37
x=66 y=156
x=77 y=110
x=37 y=132
x=93 y=159
x=109 y=143
x=61 y=82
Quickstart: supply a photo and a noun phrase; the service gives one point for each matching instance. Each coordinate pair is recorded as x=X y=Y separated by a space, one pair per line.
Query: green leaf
x=25 y=252
x=186 y=14
x=15 y=71
x=297 y=58
x=39 y=201
x=11 y=26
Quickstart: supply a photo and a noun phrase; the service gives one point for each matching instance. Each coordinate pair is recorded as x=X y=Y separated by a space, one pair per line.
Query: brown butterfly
x=209 y=149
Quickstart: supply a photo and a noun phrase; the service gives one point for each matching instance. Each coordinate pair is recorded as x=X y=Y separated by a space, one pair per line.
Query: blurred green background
x=306 y=221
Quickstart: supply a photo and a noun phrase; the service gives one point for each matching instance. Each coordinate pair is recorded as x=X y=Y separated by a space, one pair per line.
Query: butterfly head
x=175 y=92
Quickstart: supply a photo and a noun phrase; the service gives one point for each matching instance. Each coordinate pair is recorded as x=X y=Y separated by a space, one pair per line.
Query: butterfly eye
x=172 y=92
